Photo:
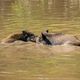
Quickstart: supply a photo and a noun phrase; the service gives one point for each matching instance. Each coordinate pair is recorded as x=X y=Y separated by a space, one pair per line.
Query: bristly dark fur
x=46 y=40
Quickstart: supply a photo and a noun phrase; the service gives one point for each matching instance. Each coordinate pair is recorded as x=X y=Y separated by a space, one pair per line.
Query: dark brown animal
x=23 y=36
x=58 y=39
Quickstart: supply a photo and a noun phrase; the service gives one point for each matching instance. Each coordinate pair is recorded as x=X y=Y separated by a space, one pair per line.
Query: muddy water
x=30 y=61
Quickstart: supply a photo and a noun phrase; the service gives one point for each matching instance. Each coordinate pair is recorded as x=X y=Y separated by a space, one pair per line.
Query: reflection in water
x=51 y=9
x=21 y=12
x=5 y=8
x=5 y=11
x=41 y=9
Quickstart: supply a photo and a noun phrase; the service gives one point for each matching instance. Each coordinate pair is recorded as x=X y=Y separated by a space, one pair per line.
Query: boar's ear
x=24 y=32
x=47 y=31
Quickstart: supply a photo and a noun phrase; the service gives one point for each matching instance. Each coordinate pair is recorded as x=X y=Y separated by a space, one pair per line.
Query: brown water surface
x=30 y=61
